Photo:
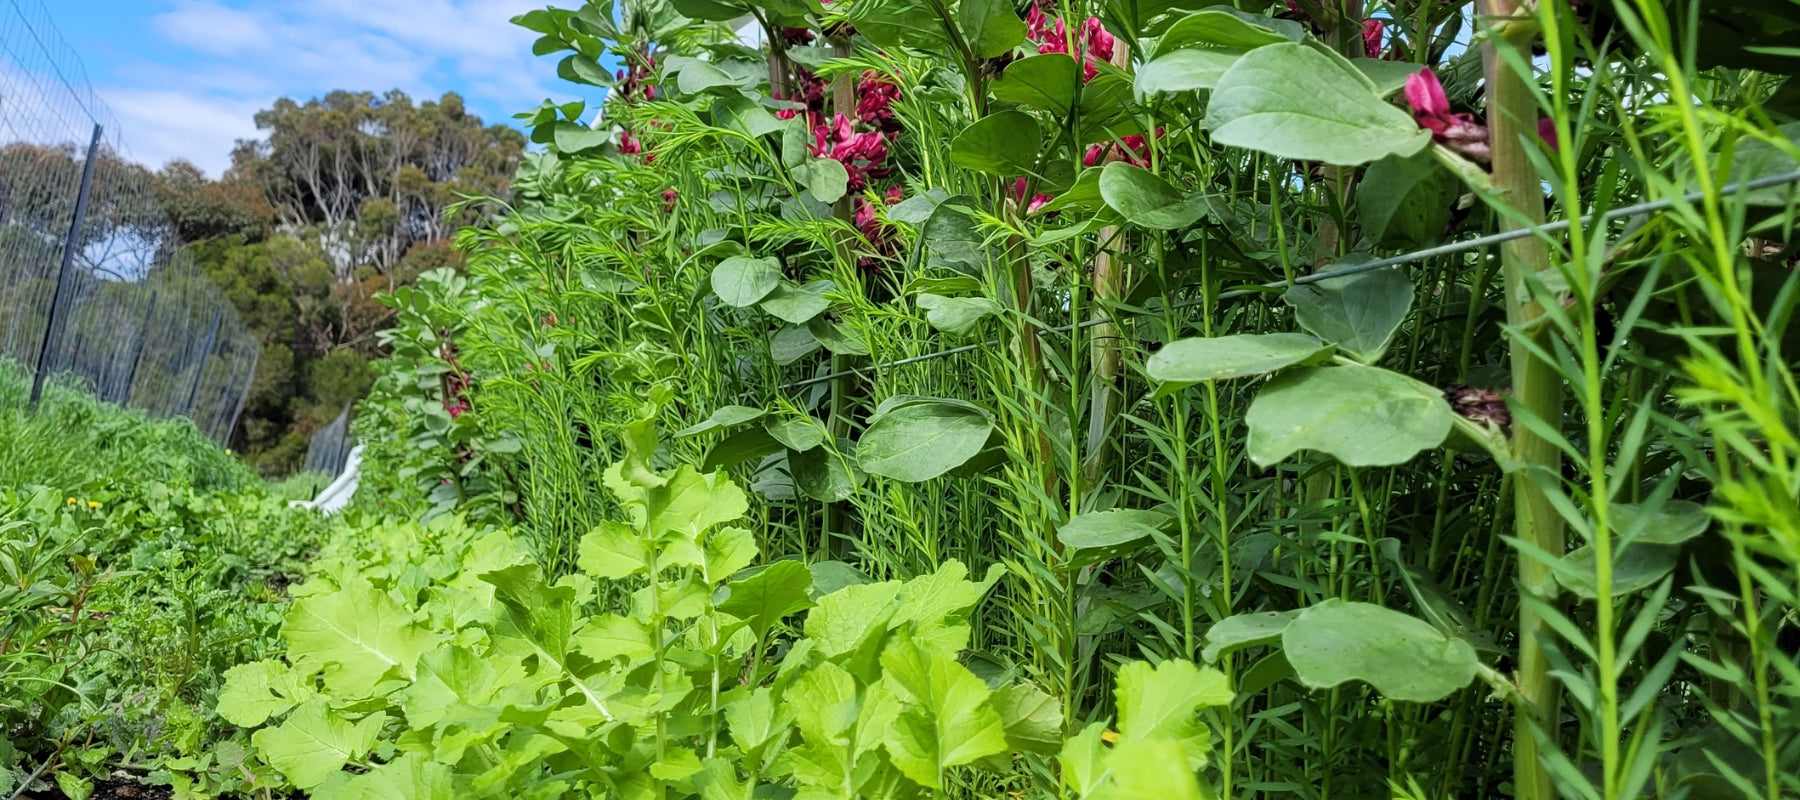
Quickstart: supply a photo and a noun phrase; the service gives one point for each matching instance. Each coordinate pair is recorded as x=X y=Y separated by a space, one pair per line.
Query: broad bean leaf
x=735 y=112
x=798 y=434
x=1144 y=198
x=574 y=137
x=792 y=343
x=1404 y=658
x=823 y=474
x=1239 y=631
x=824 y=178
x=1405 y=201
x=1358 y=313
x=1669 y=522
x=743 y=281
x=1226 y=28
x=832 y=336
x=990 y=27
x=723 y=417
x=956 y=315
x=798 y=305
x=1047 y=82
x=1362 y=416
x=953 y=239
x=1185 y=362
x=1635 y=567
x=917 y=209
x=1291 y=101
x=698 y=76
x=1004 y=143
x=1185 y=70
x=922 y=440
x=1098 y=536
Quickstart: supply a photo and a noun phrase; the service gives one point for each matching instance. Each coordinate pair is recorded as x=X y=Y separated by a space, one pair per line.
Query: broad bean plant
x=1421 y=369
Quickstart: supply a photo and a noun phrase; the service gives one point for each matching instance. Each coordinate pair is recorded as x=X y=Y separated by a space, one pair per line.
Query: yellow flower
x=71 y=501
x=93 y=504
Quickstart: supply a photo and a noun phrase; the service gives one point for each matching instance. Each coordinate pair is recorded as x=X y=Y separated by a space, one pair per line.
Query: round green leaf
x=1672 y=522
x=798 y=304
x=824 y=178
x=1003 y=144
x=1405 y=202
x=792 y=343
x=1048 y=82
x=1292 y=101
x=922 y=439
x=743 y=281
x=1189 y=361
x=1362 y=416
x=1103 y=535
x=1358 y=313
x=956 y=314
x=1185 y=70
x=1239 y=631
x=1635 y=567
x=990 y=27
x=823 y=475
x=1145 y=199
x=724 y=417
x=1219 y=27
x=1401 y=656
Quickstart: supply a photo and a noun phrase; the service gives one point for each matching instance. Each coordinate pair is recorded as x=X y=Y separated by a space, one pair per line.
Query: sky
x=185 y=77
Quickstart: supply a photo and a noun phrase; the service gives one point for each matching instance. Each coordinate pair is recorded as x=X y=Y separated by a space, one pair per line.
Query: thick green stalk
x=1512 y=124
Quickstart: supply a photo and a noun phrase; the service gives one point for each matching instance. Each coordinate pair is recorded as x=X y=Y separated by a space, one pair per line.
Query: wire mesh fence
x=330 y=446
x=94 y=282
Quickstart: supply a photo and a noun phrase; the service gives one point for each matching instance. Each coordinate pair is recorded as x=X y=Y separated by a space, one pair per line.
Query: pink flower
x=1431 y=109
x=875 y=98
x=1372 y=30
x=629 y=145
x=669 y=197
x=1136 y=151
x=1038 y=201
x=864 y=155
x=795 y=37
x=1095 y=44
x=1547 y=130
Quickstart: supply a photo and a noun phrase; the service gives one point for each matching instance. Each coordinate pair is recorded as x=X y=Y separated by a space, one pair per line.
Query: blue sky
x=184 y=77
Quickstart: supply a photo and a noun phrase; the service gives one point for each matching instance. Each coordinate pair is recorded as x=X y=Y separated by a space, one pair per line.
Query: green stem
x=1512 y=118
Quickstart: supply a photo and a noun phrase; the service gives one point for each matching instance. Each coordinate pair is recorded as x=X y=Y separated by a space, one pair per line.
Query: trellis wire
x=107 y=298
x=1636 y=209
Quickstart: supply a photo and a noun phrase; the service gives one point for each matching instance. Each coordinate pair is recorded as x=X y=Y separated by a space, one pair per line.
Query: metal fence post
x=200 y=371
x=137 y=351
x=68 y=263
x=237 y=410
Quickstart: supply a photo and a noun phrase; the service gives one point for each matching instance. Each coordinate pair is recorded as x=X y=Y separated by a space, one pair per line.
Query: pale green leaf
x=1404 y=658
x=315 y=742
x=1291 y=101
x=1362 y=416
x=1188 y=361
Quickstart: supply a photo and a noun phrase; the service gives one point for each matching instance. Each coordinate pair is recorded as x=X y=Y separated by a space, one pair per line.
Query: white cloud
x=162 y=126
x=238 y=56
x=212 y=28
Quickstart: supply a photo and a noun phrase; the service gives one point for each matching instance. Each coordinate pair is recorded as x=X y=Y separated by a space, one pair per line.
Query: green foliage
x=1100 y=322
x=138 y=564
x=666 y=666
